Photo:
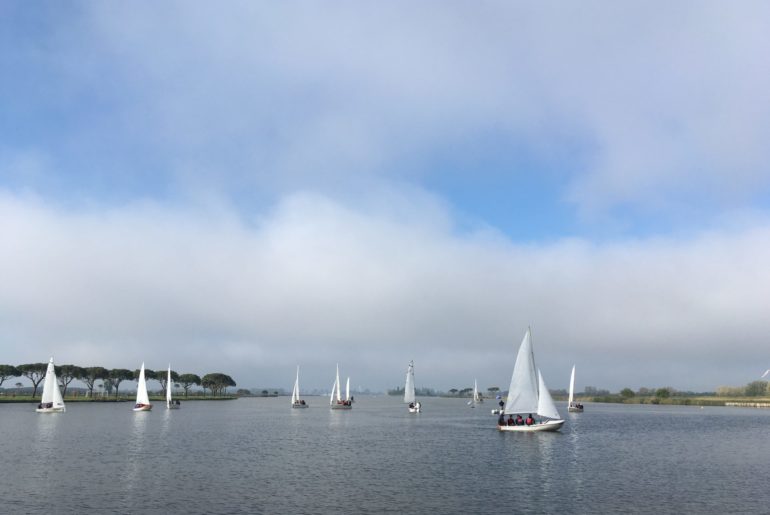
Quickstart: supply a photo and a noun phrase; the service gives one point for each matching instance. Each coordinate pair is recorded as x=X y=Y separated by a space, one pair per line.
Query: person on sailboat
x=519 y=420
x=511 y=422
x=530 y=420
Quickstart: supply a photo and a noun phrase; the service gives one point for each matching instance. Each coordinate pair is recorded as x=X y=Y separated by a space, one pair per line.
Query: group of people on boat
x=576 y=405
x=300 y=402
x=345 y=403
x=518 y=421
x=45 y=405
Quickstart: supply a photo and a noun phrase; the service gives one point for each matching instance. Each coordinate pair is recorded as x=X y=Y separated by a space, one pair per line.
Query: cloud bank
x=314 y=282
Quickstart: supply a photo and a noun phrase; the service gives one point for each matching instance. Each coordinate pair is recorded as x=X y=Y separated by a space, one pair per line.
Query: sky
x=252 y=186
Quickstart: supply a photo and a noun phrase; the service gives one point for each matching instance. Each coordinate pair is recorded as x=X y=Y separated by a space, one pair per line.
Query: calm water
x=260 y=456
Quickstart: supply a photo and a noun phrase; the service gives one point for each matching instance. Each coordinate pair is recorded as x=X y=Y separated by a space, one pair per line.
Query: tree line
x=111 y=379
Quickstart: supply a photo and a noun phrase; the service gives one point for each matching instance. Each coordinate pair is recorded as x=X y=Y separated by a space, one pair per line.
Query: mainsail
x=51 y=393
x=141 y=389
x=295 y=391
x=522 y=393
x=409 y=385
x=571 y=386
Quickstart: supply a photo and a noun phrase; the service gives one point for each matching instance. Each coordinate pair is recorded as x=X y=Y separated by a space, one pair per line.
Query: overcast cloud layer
x=248 y=189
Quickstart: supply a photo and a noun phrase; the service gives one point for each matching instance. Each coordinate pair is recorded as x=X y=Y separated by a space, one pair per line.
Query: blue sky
x=293 y=183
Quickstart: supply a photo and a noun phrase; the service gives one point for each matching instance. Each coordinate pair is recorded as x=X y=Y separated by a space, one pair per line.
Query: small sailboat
x=573 y=406
x=476 y=398
x=414 y=406
x=336 y=400
x=170 y=404
x=142 y=399
x=296 y=402
x=528 y=395
x=52 y=401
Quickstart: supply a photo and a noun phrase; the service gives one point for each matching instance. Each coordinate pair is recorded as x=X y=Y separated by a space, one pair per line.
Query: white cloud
x=316 y=282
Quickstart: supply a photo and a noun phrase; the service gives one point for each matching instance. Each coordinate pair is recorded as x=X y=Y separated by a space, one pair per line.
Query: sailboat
x=573 y=406
x=476 y=397
x=336 y=401
x=170 y=404
x=142 y=399
x=52 y=401
x=414 y=406
x=296 y=402
x=528 y=395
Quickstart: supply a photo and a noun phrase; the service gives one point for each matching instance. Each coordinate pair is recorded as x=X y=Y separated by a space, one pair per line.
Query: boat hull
x=172 y=406
x=414 y=410
x=572 y=409
x=299 y=406
x=146 y=407
x=51 y=410
x=342 y=406
x=550 y=425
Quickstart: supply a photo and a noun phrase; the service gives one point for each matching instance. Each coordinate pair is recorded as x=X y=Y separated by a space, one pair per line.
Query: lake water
x=260 y=456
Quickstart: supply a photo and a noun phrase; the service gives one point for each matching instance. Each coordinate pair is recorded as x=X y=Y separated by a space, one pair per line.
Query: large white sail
x=545 y=405
x=295 y=391
x=141 y=389
x=522 y=393
x=409 y=384
x=51 y=392
x=571 y=386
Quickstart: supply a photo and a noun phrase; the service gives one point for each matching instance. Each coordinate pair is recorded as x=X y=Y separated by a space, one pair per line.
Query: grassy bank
x=682 y=401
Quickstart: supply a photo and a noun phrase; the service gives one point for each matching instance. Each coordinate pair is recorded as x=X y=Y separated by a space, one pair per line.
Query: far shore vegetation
x=754 y=394
x=103 y=384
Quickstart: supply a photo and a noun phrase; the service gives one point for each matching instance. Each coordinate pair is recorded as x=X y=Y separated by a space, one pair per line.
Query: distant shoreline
x=159 y=400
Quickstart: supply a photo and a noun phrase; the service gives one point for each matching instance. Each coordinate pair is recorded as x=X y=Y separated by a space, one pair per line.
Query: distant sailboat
x=336 y=401
x=170 y=404
x=573 y=406
x=52 y=401
x=414 y=406
x=475 y=398
x=142 y=399
x=296 y=402
x=528 y=395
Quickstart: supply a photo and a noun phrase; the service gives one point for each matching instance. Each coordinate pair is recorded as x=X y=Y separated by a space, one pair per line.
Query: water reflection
x=135 y=450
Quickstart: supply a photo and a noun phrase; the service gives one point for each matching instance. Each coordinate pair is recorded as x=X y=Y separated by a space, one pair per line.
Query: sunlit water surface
x=260 y=456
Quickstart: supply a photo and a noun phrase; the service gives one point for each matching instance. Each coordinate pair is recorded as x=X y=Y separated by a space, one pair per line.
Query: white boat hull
x=341 y=406
x=146 y=407
x=573 y=409
x=550 y=425
x=173 y=406
x=51 y=410
x=299 y=406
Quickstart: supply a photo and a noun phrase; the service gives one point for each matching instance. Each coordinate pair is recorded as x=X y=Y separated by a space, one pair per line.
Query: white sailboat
x=573 y=406
x=142 y=399
x=170 y=404
x=336 y=401
x=52 y=401
x=475 y=398
x=414 y=405
x=528 y=396
x=296 y=402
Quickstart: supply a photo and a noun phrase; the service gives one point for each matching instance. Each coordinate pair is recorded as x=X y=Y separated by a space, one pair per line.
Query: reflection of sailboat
x=414 y=406
x=142 y=399
x=571 y=404
x=170 y=404
x=336 y=401
x=296 y=402
x=528 y=395
x=52 y=401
